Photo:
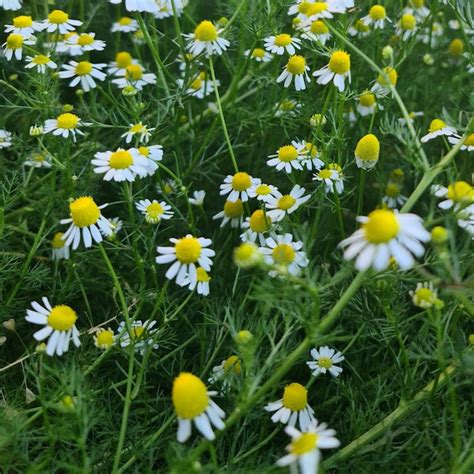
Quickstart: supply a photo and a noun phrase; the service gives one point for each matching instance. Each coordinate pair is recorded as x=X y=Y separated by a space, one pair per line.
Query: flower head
x=367 y=152
x=325 y=360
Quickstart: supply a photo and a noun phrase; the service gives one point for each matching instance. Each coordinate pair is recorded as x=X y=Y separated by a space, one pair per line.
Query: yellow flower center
x=304 y=7
x=233 y=209
x=245 y=253
x=283 y=40
x=296 y=65
x=137 y=128
x=436 y=125
x=105 y=338
x=456 y=47
x=22 y=21
x=259 y=222
x=408 y=22
x=205 y=31
x=469 y=140
x=424 y=294
x=189 y=396
x=311 y=149
x=134 y=72
x=317 y=7
x=83 y=68
x=202 y=275
x=258 y=53
x=154 y=210
x=144 y=150
x=377 y=12
x=196 y=84
x=14 y=41
x=367 y=99
x=67 y=121
x=361 y=26
x=58 y=17
x=368 y=148
x=123 y=59
x=232 y=363
x=62 y=318
x=381 y=227
x=418 y=3
x=286 y=201
x=241 y=181
x=125 y=21
x=325 y=362
x=340 y=62
x=188 y=250
x=319 y=28
x=120 y=159
x=304 y=443
x=288 y=104
x=137 y=332
x=392 y=76
x=287 y=153
x=392 y=190
x=85 y=39
x=58 y=242
x=461 y=191
x=325 y=174
x=295 y=397
x=263 y=190
x=283 y=254
x=335 y=167
x=84 y=211
x=40 y=59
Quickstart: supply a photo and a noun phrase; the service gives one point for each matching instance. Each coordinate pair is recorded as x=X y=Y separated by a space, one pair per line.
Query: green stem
x=360 y=200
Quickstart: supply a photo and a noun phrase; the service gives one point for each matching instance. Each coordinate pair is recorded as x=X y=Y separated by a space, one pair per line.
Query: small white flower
x=424 y=296
x=154 y=211
x=136 y=77
x=60 y=251
x=199 y=87
x=308 y=155
x=202 y=282
x=332 y=177
x=23 y=25
x=286 y=158
x=206 y=38
x=257 y=227
x=261 y=191
x=198 y=198
x=13 y=46
x=407 y=26
x=153 y=154
x=325 y=360
x=280 y=205
x=337 y=70
x=141 y=335
x=237 y=186
x=468 y=143
x=125 y=25
x=282 y=43
x=40 y=62
x=120 y=165
x=259 y=55
x=38 y=160
x=5 y=138
x=376 y=18
x=58 y=21
x=83 y=73
x=143 y=132
x=295 y=70
x=393 y=197
x=438 y=128
x=233 y=212
x=84 y=42
x=459 y=195
x=64 y=125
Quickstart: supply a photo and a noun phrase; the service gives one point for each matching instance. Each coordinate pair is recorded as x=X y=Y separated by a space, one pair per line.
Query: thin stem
x=360 y=200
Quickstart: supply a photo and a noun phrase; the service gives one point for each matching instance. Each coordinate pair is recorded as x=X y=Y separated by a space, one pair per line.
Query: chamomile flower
x=202 y=282
x=200 y=86
x=383 y=82
x=84 y=73
x=233 y=212
x=316 y=31
x=36 y=130
x=198 y=198
x=438 y=128
x=261 y=191
x=59 y=21
x=393 y=197
x=425 y=296
x=280 y=205
x=286 y=158
x=153 y=154
x=38 y=160
x=184 y=255
x=125 y=24
x=23 y=25
x=458 y=195
x=321 y=10
x=337 y=70
x=359 y=28
x=120 y=165
x=104 y=338
x=332 y=177
x=5 y=139
x=467 y=144
x=135 y=76
x=10 y=4
x=293 y=407
x=237 y=186
x=230 y=367
x=385 y=234
x=411 y=117
x=308 y=154
x=247 y=255
x=300 y=8
x=154 y=211
x=64 y=125
x=192 y=403
x=406 y=27
x=40 y=62
x=367 y=103
x=60 y=251
x=259 y=55
x=419 y=9
x=59 y=326
x=282 y=43
x=295 y=70
x=137 y=129
x=325 y=360
x=367 y=152
x=206 y=39
x=141 y=335
x=304 y=449
x=13 y=46
x=284 y=255
x=87 y=221
x=376 y=18
x=118 y=67
x=116 y=224
x=79 y=44
x=257 y=225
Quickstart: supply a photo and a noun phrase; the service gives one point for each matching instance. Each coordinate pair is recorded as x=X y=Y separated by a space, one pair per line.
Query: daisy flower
x=237 y=186
x=419 y=8
x=59 y=326
x=359 y=28
x=247 y=255
x=79 y=44
x=337 y=70
x=84 y=73
x=287 y=107
x=261 y=191
x=116 y=224
x=192 y=402
x=316 y=31
x=467 y=144
x=367 y=152
x=104 y=338
x=86 y=220
x=60 y=249
x=382 y=85
x=120 y=165
x=393 y=197
x=320 y=10
x=304 y=449
x=58 y=21
x=367 y=103
x=153 y=154
x=200 y=87
x=385 y=234
x=280 y=205
x=332 y=178
x=123 y=59
x=64 y=125
x=198 y=198
x=459 y=195
x=425 y=296
x=125 y=25
x=436 y=129
x=201 y=284
x=287 y=257
x=154 y=211
x=13 y=46
x=377 y=17
x=206 y=38
x=135 y=76
x=286 y=158
x=143 y=132
x=297 y=69
x=227 y=368
x=308 y=155
x=292 y=407
x=324 y=361
x=23 y=25
x=184 y=255
x=257 y=225
x=406 y=27
x=259 y=55
x=233 y=212
x=456 y=48
x=282 y=43
x=10 y=4
x=41 y=62
x=38 y=160
x=5 y=139
x=141 y=335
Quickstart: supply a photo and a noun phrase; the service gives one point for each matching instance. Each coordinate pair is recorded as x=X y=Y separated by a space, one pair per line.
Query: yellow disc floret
x=58 y=17
x=317 y=7
x=392 y=75
x=241 y=181
x=62 y=318
x=408 y=22
x=67 y=121
x=319 y=28
x=84 y=211
x=368 y=148
x=304 y=443
x=286 y=202
x=58 y=242
x=201 y=275
x=125 y=21
x=233 y=210
x=188 y=250
x=22 y=21
x=14 y=41
x=205 y=31
x=296 y=65
x=259 y=222
x=367 y=99
x=283 y=254
x=340 y=62
x=460 y=191
x=283 y=40
x=392 y=190
x=83 y=68
x=381 y=227
x=189 y=396
x=154 y=211
x=456 y=47
x=232 y=363
x=104 y=338
x=85 y=39
x=123 y=59
x=377 y=12
x=287 y=153
x=40 y=59
x=258 y=53
x=134 y=72
x=295 y=397
x=120 y=159
x=325 y=362
x=436 y=125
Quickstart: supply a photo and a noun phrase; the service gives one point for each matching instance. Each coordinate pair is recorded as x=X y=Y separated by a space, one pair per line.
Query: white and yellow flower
x=280 y=205
x=154 y=211
x=237 y=186
x=230 y=367
x=438 y=128
x=367 y=152
x=38 y=160
x=257 y=225
x=261 y=191
x=206 y=39
x=325 y=360
x=118 y=67
x=259 y=55
x=137 y=129
x=332 y=177
x=384 y=80
x=202 y=282
x=153 y=154
x=200 y=86
x=125 y=24
x=41 y=62
x=23 y=25
x=467 y=144
x=367 y=103
x=120 y=165
x=393 y=197
x=233 y=212
x=425 y=296
x=141 y=335
x=308 y=154
x=458 y=195
x=376 y=18
x=359 y=28
x=282 y=43
x=58 y=325
x=60 y=251
x=11 y=4
x=5 y=139
x=104 y=338
x=198 y=198
x=406 y=26
x=64 y=125
x=316 y=31
x=83 y=73
x=286 y=158
x=247 y=255
x=59 y=21
x=296 y=70
x=82 y=43
x=337 y=70
x=13 y=46
x=135 y=76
